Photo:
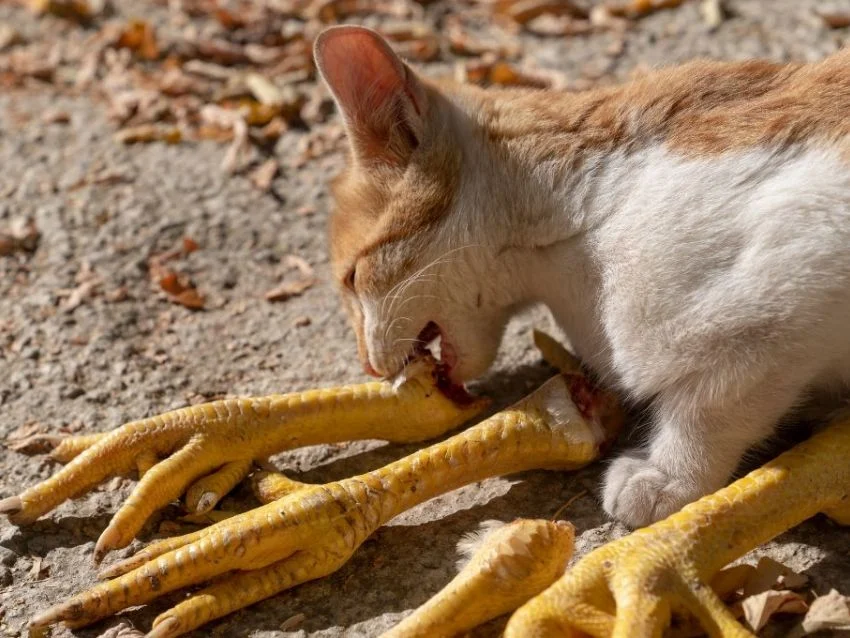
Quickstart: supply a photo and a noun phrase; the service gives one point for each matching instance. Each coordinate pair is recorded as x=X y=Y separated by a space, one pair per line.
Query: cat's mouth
x=432 y=341
x=433 y=345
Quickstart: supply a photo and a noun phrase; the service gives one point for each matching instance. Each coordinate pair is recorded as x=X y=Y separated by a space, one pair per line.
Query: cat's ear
x=382 y=102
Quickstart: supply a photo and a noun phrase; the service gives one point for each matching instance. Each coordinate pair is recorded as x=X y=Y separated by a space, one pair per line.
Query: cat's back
x=719 y=107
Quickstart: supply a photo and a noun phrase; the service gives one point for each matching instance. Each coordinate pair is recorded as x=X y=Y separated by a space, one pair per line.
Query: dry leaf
x=293 y=622
x=505 y=74
x=28 y=439
x=829 y=612
x=303 y=266
x=56 y=117
x=289 y=289
x=138 y=36
x=179 y=290
x=9 y=37
x=37 y=568
x=731 y=580
x=640 y=8
x=264 y=175
x=759 y=608
x=792 y=580
x=337 y=10
x=836 y=20
x=713 y=13
x=75 y=297
x=146 y=133
x=21 y=236
x=765 y=576
x=263 y=89
x=79 y=10
x=523 y=11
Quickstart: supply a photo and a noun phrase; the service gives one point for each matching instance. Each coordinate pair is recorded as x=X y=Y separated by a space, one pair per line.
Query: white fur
x=717 y=288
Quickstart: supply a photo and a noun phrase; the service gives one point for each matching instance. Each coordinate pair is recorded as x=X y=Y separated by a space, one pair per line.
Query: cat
x=689 y=231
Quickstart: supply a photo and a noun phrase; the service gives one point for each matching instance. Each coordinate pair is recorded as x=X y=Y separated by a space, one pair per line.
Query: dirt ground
x=88 y=341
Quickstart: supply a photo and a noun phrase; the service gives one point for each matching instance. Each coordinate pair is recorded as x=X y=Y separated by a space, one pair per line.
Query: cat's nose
x=368 y=369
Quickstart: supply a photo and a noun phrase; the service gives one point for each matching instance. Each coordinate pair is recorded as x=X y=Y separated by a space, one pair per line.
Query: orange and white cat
x=689 y=231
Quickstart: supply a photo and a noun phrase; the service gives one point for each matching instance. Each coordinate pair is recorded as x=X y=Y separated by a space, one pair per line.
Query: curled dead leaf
x=138 y=36
x=639 y=8
x=523 y=11
x=78 y=10
x=758 y=609
x=146 y=133
x=486 y=72
x=727 y=582
x=836 y=20
x=29 y=439
x=22 y=236
x=289 y=289
x=829 y=612
x=178 y=288
x=264 y=175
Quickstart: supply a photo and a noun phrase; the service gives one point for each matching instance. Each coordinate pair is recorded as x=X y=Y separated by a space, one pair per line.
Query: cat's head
x=410 y=253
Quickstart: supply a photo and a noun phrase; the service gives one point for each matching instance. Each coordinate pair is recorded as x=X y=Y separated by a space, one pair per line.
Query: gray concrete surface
x=106 y=362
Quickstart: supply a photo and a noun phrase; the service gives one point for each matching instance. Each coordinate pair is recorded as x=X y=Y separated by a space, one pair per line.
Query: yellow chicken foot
x=629 y=587
x=209 y=448
x=512 y=564
x=312 y=531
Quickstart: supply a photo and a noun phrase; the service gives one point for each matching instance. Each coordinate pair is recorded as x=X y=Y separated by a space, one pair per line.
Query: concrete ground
x=87 y=342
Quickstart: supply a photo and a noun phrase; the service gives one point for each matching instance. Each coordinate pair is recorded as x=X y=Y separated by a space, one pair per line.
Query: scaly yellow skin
x=209 y=448
x=513 y=563
x=312 y=531
x=628 y=588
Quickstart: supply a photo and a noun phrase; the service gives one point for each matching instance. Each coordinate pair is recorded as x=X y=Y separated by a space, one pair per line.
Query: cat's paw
x=638 y=493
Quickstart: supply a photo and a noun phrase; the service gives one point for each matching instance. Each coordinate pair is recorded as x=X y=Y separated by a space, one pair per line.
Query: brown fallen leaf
x=413 y=41
x=713 y=13
x=189 y=245
x=523 y=11
x=28 y=439
x=299 y=263
x=640 y=8
x=179 y=290
x=79 y=10
x=289 y=289
x=337 y=10
x=836 y=20
x=147 y=133
x=558 y=26
x=462 y=43
x=38 y=568
x=139 y=36
x=88 y=282
x=293 y=622
x=829 y=612
x=765 y=576
x=22 y=236
x=75 y=297
x=727 y=582
x=264 y=89
x=54 y=116
x=122 y=293
x=9 y=36
x=486 y=72
x=263 y=176
x=758 y=609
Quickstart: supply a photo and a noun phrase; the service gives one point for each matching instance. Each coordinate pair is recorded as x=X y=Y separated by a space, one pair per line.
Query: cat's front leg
x=693 y=450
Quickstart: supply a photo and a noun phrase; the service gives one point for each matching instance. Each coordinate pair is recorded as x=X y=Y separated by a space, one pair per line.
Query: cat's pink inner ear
x=381 y=101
